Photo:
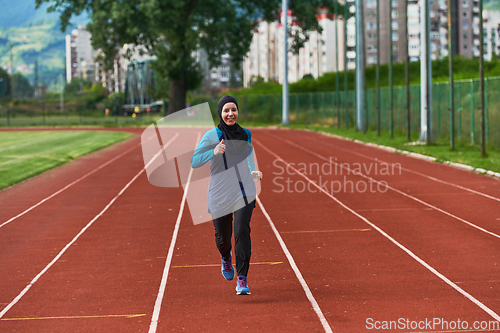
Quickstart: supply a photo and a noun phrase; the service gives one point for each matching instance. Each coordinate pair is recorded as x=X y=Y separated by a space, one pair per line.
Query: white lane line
x=39 y=275
x=383 y=233
x=38 y=141
x=303 y=282
x=163 y=284
x=342 y=165
x=71 y=184
x=412 y=171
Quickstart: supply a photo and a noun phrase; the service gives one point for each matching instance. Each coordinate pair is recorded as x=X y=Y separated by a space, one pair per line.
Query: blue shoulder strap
x=249 y=134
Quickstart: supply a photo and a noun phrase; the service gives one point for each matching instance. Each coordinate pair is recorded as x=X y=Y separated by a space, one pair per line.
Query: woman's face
x=229 y=114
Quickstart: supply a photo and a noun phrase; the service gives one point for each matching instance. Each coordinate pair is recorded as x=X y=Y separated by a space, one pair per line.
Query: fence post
x=8 y=118
x=297 y=107
x=264 y=102
x=460 y=109
x=333 y=107
x=346 y=102
x=323 y=108
x=116 y=110
x=391 y=107
x=310 y=108
x=438 y=85
x=472 y=126
x=486 y=94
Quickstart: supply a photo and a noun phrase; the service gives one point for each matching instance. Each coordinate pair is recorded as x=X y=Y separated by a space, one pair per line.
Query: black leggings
x=242 y=244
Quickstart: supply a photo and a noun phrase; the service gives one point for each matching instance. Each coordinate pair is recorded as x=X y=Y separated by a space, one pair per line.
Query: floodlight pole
x=481 y=80
x=407 y=76
x=11 y=72
x=378 y=67
x=391 y=83
x=286 y=116
x=451 y=95
x=360 y=126
x=425 y=73
x=337 y=99
x=345 y=67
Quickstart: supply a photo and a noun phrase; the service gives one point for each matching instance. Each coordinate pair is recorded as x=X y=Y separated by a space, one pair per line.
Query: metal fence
x=321 y=108
x=330 y=109
x=12 y=117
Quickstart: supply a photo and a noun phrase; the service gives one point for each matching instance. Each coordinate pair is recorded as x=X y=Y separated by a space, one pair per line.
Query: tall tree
x=4 y=83
x=171 y=30
x=22 y=87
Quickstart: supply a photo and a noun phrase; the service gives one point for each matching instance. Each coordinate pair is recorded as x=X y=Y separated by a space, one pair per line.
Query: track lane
x=114 y=269
x=438 y=196
x=352 y=273
x=32 y=241
x=198 y=298
x=388 y=204
x=436 y=172
x=84 y=279
x=16 y=200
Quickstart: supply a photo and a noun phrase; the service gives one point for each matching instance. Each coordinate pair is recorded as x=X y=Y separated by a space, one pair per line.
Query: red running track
x=321 y=261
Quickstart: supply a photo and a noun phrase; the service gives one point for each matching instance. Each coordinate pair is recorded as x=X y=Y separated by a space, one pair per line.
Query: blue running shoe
x=242 y=286
x=227 y=269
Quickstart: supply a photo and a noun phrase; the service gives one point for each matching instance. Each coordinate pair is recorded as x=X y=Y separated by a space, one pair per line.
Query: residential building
x=266 y=55
x=79 y=53
x=491 y=33
x=114 y=79
x=223 y=76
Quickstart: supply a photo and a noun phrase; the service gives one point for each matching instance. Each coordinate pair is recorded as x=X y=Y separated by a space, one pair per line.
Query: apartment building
x=491 y=33
x=266 y=55
x=223 y=76
x=79 y=54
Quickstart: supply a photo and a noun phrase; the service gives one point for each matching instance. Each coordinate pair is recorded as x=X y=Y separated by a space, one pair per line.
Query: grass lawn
x=464 y=153
x=26 y=154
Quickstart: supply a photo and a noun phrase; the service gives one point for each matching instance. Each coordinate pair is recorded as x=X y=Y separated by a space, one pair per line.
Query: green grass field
x=26 y=154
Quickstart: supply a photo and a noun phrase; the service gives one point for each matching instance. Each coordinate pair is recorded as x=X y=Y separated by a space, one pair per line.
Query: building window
x=465 y=3
x=371 y=25
x=465 y=25
x=466 y=36
x=395 y=25
x=466 y=47
x=394 y=3
x=394 y=14
x=371 y=4
x=395 y=36
x=465 y=14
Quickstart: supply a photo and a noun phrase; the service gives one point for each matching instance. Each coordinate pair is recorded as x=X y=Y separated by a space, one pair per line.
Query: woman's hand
x=257 y=176
x=220 y=148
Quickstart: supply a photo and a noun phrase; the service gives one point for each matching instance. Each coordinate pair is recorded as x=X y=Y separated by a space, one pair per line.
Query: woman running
x=231 y=191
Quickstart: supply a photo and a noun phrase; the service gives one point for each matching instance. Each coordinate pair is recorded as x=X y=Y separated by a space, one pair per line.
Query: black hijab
x=235 y=137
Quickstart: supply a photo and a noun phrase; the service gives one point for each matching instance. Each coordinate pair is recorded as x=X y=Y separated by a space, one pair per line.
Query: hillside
x=492 y=4
x=35 y=35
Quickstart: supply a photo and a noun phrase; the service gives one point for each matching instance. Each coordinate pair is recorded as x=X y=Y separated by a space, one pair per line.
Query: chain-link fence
x=11 y=117
x=319 y=108
x=332 y=109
